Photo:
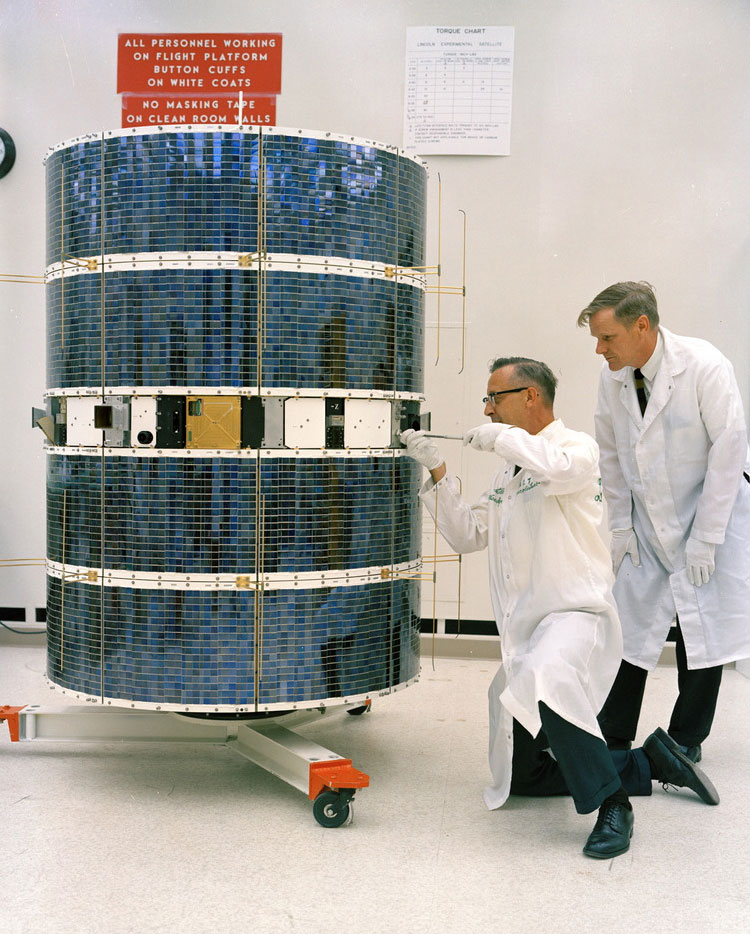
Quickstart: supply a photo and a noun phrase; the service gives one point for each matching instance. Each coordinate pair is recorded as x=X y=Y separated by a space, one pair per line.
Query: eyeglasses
x=492 y=396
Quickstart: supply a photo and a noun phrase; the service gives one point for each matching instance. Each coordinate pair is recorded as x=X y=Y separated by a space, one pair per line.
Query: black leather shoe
x=612 y=831
x=670 y=766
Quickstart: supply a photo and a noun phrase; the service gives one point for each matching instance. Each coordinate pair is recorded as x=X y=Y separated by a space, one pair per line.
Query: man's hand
x=624 y=543
x=483 y=437
x=422 y=449
x=699 y=561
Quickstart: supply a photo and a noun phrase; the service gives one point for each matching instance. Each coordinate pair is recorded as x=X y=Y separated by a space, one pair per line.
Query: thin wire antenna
x=434 y=579
x=463 y=309
x=22 y=562
x=261 y=258
x=259 y=498
x=62 y=584
x=62 y=254
x=460 y=565
x=458 y=608
x=103 y=472
x=21 y=279
x=394 y=368
x=256 y=602
x=260 y=599
x=439 y=262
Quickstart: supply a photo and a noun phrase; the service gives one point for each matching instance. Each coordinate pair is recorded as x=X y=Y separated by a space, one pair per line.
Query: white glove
x=423 y=450
x=624 y=543
x=699 y=561
x=483 y=437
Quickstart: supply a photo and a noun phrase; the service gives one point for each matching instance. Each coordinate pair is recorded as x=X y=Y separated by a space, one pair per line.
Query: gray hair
x=530 y=371
x=629 y=300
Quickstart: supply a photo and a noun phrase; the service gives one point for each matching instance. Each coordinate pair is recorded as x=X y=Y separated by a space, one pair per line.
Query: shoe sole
x=596 y=855
x=711 y=794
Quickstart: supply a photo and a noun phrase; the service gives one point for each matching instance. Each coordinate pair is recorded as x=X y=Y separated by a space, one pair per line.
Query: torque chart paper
x=459 y=82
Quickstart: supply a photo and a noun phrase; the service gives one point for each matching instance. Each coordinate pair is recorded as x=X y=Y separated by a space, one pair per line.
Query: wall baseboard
x=488 y=647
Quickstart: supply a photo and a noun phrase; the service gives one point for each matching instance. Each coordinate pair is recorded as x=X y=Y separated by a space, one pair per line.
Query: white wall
x=629 y=160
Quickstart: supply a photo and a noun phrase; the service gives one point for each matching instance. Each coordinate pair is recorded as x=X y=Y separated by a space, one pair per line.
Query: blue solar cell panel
x=175 y=191
x=135 y=326
x=199 y=327
x=200 y=648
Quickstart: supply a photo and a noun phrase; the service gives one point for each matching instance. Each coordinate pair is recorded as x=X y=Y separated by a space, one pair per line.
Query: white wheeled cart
x=328 y=780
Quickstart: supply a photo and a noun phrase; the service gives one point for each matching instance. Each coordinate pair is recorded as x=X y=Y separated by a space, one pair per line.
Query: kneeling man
x=550 y=581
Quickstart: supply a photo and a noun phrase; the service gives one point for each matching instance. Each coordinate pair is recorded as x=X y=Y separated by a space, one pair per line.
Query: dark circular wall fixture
x=7 y=152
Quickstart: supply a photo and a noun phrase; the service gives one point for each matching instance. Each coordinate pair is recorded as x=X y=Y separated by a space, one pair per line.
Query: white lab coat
x=679 y=468
x=550 y=578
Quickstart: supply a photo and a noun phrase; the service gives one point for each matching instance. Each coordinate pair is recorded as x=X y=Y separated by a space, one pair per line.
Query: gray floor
x=181 y=839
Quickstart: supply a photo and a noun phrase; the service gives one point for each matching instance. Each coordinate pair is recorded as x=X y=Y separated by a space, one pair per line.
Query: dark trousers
x=583 y=767
x=693 y=711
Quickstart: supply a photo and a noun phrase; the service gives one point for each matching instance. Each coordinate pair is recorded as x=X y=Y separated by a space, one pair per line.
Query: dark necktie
x=640 y=390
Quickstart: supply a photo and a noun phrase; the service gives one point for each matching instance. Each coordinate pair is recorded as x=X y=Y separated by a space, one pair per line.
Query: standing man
x=676 y=476
x=550 y=584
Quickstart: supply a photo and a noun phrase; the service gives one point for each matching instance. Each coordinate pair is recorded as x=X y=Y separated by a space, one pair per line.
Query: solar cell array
x=260 y=266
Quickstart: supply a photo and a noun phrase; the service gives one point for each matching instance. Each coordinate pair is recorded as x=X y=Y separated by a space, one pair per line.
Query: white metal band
x=230 y=708
x=284 y=392
x=246 y=129
x=243 y=453
x=245 y=262
x=307 y=580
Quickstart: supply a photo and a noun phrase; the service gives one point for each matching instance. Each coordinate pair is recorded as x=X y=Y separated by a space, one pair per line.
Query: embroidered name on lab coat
x=528 y=484
x=496 y=496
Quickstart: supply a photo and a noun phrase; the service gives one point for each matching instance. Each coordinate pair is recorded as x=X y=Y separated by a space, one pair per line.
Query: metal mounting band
x=245 y=129
x=231 y=708
x=306 y=580
x=247 y=453
x=285 y=392
x=245 y=262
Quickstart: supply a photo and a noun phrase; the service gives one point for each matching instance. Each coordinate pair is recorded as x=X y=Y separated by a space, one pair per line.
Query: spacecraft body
x=235 y=339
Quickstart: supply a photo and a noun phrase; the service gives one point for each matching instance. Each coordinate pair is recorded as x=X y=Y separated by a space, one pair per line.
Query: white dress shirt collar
x=651 y=367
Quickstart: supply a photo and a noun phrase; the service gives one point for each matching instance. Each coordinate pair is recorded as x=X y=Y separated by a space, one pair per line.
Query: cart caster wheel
x=332 y=809
x=358 y=711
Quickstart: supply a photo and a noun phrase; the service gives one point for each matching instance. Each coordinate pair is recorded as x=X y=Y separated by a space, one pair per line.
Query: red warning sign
x=145 y=109
x=209 y=64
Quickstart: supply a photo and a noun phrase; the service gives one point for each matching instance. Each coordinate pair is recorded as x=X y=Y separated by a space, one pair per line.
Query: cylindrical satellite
x=235 y=339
